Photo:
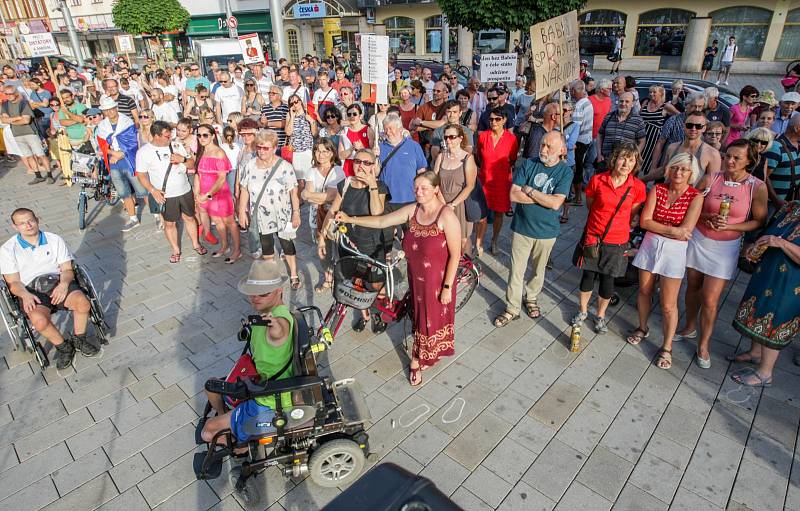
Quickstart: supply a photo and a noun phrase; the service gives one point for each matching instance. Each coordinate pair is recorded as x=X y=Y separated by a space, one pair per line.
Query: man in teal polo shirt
x=72 y=119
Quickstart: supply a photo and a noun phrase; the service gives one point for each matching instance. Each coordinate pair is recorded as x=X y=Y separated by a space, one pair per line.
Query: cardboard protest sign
x=554 y=48
x=251 y=49
x=498 y=67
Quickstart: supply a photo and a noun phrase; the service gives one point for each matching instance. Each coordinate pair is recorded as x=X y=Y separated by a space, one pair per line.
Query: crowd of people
x=236 y=155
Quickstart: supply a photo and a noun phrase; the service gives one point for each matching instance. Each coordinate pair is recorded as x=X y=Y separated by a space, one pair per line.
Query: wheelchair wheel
x=336 y=463
x=41 y=355
x=96 y=310
x=466 y=282
x=111 y=195
x=247 y=491
x=82 y=206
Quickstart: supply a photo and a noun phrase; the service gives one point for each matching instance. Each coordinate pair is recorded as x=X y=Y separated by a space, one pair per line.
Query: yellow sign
x=332 y=32
x=554 y=48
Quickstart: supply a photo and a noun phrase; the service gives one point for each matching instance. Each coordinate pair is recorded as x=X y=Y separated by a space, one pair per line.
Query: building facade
x=20 y=17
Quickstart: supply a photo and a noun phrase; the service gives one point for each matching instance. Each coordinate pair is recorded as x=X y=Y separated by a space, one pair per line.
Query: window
x=401 y=34
x=294 y=47
x=789 y=47
x=433 y=34
x=598 y=30
x=748 y=25
x=662 y=32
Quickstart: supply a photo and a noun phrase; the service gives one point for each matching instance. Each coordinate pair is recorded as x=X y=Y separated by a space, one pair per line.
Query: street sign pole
x=233 y=31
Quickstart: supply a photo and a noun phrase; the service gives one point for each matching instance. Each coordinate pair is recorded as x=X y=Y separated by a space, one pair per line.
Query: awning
x=217 y=24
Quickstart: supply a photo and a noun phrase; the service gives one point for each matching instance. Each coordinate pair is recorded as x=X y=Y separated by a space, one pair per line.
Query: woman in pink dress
x=212 y=193
x=433 y=248
x=740 y=114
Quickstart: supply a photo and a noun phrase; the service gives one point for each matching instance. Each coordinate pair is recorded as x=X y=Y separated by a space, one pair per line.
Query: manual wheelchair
x=89 y=171
x=323 y=437
x=24 y=336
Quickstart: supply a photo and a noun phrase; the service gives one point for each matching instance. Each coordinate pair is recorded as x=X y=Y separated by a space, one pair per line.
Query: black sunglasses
x=691 y=125
x=204 y=135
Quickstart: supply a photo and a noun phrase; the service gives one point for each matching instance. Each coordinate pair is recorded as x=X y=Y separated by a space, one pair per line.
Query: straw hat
x=768 y=98
x=264 y=277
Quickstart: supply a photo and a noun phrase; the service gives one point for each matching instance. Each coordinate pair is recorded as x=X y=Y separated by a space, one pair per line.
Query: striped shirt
x=673 y=215
x=779 y=162
x=673 y=131
x=276 y=113
x=125 y=105
x=615 y=131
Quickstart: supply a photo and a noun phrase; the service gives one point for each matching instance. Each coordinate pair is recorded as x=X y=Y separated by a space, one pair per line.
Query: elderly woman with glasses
x=269 y=203
x=669 y=216
x=212 y=193
x=496 y=152
x=740 y=113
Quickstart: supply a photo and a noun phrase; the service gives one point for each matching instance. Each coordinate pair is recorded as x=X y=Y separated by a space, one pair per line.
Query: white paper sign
x=498 y=67
x=554 y=48
x=375 y=58
x=124 y=43
x=251 y=49
x=40 y=45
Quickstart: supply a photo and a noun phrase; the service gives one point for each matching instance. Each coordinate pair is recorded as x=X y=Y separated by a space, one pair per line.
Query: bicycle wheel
x=82 y=205
x=111 y=195
x=466 y=282
x=464 y=71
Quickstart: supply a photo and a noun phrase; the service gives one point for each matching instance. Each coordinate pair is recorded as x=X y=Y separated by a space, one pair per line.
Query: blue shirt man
x=401 y=160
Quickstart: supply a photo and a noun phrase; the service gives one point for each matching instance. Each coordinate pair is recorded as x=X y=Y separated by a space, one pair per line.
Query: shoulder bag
x=163 y=207
x=592 y=251
x=254 y=228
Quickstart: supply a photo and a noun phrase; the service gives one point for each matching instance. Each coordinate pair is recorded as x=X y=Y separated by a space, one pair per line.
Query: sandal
x=739 y=377
x=664 y=359
x=637 y=336
x=532 y=309
x=231 y=260
x=201 y=250
x=413 y=375
x=504 y=319
x=175 y=258
x=749 y=360
x=327 y=284
x=295 y=282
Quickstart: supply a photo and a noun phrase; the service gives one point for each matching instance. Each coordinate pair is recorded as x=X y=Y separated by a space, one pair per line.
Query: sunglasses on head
x=363 y=163
x=693 y=125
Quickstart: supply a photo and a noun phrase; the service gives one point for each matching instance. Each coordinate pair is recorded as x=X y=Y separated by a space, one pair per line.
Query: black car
x=727 y=97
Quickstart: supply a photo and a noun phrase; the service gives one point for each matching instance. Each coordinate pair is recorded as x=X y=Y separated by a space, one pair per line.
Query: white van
x=221 y=50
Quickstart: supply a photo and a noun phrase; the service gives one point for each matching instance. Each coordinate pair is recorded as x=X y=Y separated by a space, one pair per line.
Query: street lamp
x=73 y=34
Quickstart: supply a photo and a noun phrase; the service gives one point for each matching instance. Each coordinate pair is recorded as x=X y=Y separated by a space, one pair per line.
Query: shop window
x=789 y=47
x=401 y=34
x=662 y=32
x=749 y=25
x=598 y=30
x=294 y=47
x=433 y=34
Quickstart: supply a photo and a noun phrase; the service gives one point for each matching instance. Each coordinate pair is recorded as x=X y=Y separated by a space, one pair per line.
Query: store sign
x=312 y=10
x=40 y=45
x=498 y=67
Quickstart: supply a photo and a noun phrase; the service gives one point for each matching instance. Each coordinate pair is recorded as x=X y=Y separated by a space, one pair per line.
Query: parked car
x=435 y=66
x=727 y=97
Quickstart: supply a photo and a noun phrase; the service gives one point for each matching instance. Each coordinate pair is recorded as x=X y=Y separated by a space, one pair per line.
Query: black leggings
x=606 y=283
x=268 y=245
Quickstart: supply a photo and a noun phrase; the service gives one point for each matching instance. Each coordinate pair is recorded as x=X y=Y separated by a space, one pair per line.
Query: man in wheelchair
x=37 y=267
x=272 y=351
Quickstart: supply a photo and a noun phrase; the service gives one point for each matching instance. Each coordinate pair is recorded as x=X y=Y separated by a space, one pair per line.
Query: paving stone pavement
x=513 y=422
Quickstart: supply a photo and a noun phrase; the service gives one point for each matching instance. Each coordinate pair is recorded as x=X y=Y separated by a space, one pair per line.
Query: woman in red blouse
x=669 y=216
x=497 y=152
x=613 y=199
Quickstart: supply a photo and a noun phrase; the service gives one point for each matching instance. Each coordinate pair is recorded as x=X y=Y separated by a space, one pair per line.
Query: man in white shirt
x=171 y=93
x=584 y=115
x=37 y=267
x=726 y=61
x=228 y=97
x=153 y=160
x=163 y=110
x=295 y=87
x=132 y=90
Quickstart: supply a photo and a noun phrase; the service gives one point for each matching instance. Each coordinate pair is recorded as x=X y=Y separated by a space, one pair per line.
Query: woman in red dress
x=433 y=247
x=497 y=152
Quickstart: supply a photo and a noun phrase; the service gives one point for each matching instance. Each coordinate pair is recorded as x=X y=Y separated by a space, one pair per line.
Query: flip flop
x=201 y=250
x=175 y=258
x=637 y=336
x=739 y=376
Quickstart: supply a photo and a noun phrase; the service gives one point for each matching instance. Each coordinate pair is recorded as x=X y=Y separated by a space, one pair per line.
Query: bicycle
x=355 y=292
x=87 y=171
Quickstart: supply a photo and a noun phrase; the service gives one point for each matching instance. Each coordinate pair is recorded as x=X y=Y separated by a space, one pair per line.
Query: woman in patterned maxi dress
x=433 y=248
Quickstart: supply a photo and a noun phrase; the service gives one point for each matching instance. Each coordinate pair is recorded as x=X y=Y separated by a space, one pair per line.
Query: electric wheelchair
x=322 y=437
x=24 y=336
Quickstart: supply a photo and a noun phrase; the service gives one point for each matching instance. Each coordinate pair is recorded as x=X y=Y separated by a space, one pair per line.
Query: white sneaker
x=130 y=225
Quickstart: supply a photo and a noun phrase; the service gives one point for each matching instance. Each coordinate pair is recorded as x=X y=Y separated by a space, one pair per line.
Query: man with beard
x=539 y=188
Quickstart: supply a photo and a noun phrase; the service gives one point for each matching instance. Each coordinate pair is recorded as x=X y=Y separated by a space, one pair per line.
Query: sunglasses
x=493 y=98
x=264 y=148
x=696 y=126
x=363 y=163
x=451 y=137
x=203 y=97
x=250 y=85
x=204 y=135
x=714 y=134
x=144 y=117
x=223 y=81
x=762 y=142
x=495 y=119
x=273 y=93
x=329 y=117
x=352 y=114
x=293 y=103
x=194 y=69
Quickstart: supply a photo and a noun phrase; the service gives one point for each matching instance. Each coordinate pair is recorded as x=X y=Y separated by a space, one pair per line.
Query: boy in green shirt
x=272 y=350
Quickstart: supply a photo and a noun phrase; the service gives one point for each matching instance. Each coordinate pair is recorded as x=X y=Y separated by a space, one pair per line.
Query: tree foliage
x=149 y=16
x=504 y=14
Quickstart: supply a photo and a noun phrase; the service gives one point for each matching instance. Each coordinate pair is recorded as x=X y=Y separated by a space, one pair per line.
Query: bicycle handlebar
x=346 y=243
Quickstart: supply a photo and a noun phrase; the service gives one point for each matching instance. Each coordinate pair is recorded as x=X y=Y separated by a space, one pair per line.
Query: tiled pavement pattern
x=513 y=422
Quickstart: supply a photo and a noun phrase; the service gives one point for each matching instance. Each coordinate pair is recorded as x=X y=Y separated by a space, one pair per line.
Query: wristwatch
x=445 y=286
x=209 y=196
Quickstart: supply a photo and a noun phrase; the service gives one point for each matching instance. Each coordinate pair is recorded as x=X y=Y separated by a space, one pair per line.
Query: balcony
x=363 y=4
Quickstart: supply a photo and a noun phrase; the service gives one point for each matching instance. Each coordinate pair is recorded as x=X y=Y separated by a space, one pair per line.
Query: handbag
x=287 y=153
x=475 y=203
x=592 y=251
x=163 y=207
x=254 y=217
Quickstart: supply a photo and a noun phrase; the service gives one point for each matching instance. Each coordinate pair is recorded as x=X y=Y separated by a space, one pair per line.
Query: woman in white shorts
x=714 y=247
x=669 y=216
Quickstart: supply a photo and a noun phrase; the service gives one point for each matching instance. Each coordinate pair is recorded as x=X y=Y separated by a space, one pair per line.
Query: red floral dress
x=426 y=248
